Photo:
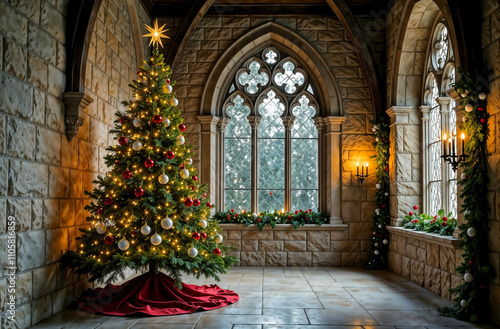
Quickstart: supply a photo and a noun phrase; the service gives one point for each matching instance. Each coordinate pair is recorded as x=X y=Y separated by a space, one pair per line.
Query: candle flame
x=357 y=164
x=463 y=136
x=444 y=137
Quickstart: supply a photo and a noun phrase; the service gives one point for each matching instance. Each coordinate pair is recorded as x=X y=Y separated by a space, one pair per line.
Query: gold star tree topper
x=156 y=34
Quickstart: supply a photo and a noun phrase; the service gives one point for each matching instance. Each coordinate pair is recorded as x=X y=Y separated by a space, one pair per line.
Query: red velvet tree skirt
x=155 y=295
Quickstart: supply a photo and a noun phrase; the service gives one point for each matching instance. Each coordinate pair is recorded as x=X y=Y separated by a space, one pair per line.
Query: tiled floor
x=296 y=298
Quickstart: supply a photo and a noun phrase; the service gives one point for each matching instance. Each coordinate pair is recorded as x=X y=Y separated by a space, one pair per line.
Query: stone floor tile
x=117 y=322
x=333 y=294
x=296 y=303
x=75 y=325
x=273 y=326
x=59 y=320
x=162 y=326
x=250 y=326
x=289 y=294
x=342 y=318
x=340 y=304
x=182 y=318
x=407 y=318
x=396 y=304
x=287 y=287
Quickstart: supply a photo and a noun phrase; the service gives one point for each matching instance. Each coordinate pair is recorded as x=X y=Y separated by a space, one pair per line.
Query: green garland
x=380 y=239
x=472 y=296
x=299 y=218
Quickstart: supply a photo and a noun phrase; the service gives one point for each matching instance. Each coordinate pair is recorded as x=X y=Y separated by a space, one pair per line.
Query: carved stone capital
x=288 y=122
x=208 y=123
x=223 y=122
x=399 y=115
x=425 y=109
x=319 y=123
x=254 y=121
x=75 y=104
x=333 y=124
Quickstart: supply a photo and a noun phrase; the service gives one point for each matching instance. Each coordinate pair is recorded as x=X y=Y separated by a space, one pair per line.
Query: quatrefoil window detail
x=288 y=78
x=253 y=77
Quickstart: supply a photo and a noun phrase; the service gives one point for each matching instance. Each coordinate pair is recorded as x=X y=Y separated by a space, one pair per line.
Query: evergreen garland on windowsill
x=472 y=296
x=380 y=236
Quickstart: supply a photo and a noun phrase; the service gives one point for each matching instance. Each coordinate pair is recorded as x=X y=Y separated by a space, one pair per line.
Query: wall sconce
x=364 y=174
x=449 y=153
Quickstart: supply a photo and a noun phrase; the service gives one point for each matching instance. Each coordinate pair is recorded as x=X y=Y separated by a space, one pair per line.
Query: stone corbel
x=75 y=103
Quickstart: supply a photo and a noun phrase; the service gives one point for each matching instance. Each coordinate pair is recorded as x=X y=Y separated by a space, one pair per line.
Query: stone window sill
x=286 y=227
x=447 y=241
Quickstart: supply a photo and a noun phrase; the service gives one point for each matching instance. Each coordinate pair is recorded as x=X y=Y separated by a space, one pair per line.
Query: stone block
x=10 y=103
x=55 y=244
x=432 y=279
x=357 y=142
x=334 y=35
x=76 y=190
x=58 y=182
x=14 y=25
x=67 y=212
x=337 y=60
x=44 y=280
x=207 y=55
x=48 y=146
x=318 y=241
x=265 y=245
x=360 y=231
x=50 y=213
x=3 y=292
x=447 y=259
x=98 y=132
x=61 y=299
x=445 y=284
x=88 y=156
x=20 y=209
x=24 y=291
x=39 y=102
x=411 y=251
x=417 y=272
x=405 y=267
x=20 y=139
x=348 y=72
x=288 y=22
x=23 y=317
x=54 y=113
x=394 y=260
x=311 y=24
x=276 y=258
x=299 y=259
x=350 y=245
x=53 y=21
x=421 y=255
x=217 y=34
x=28 y=179
x=354 y=258
x=257 y=235
x=30 y=250
x=290 y=235
x=295 y=245
x=357 y=193
x=253 y=258
x=354 y=124
x=69 y=154
x=234 y=235
x=210 y=22
x=200 y=67
x=351 y=211
x=41 y=308
x=327 y=259
x=15 y=59
x=41 y=43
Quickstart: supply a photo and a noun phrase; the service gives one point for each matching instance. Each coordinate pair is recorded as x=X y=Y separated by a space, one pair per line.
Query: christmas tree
x=150 y=210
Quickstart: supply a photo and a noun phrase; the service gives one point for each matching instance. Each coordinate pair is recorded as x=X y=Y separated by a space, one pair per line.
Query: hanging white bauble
x=379 y=226
x=463 y=303
x=167 y=223
x=471 y=232
x=218 y=238
x=192 y=252
x=255 y=215
x=136 y=122
x=374 y=129
x=145 y=229
x=462 y=176
x=181 y=139
x=482 y=96
x=386 y=194
x=189 y=161
x=376 y=244
x=184 y=173
x=376 y=252
x=163 y=179
x=101 y=228
x=156 y=239
x=468 y=277
x=378 y=186
x=469 y=107
x=463 y=95
x=376 y=139
x=167 y=89
x=166 y=122
x=203 y=223
x=174 y=102
x=377 y=211
x=137 y=146
x=123 y=244
x=385 y=241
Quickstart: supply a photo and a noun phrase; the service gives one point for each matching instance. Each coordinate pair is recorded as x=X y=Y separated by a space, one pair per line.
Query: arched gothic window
x=271 y=141
x=439 y=117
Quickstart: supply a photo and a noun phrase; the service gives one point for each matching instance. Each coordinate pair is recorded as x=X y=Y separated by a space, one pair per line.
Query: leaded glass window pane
x=289 y=79
x=304 y=199
x=271 y=57
x=453 y=174
x=310 y=89
x=271 y=125
x=270 y=200
x=271 y=163
x=435 y=188
x=253 y=79
x=303 y=126
x=238 y=200
x=441 y=46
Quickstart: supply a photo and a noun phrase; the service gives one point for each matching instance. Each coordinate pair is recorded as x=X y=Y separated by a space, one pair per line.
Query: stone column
x=254 y=123
x=332 y=151
x=404 y=161
x=320 y=126
x=208 y=155
x=426 y=170
x=444 y=103
x=288 y=123
x=221 y=163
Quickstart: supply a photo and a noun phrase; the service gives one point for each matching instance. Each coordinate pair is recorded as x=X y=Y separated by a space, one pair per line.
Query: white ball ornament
x=167 y=223
x=123 y=244
x=101 y=228
x=137 y=146
x=218 y=238
x=136 y=122
x=379 y=226
x=184 y=173
x=192 y=252
x=482 y=96
x=174 y=102
x=167 y=89
x=378 y=186
x=181 y=140
x=469 y=107
x=255 y=215
x=189 y=161
x=374 y=129
x=166 y=122
x=145 y=229
x=377 y=211
x=463 y=95
x=156 y=239
x=376 y=244
x=463 y=303
x=163 y=179
x=468 y=277
x=464 y=119
x=386 y=194
x=203 y=223
x=376 y=252
x=376 y=139
x=385 y=241
x=471 y=232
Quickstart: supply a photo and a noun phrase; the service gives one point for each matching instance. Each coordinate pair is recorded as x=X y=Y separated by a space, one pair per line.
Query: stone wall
x=42 y=176
x=427 y=259
x=491 y=48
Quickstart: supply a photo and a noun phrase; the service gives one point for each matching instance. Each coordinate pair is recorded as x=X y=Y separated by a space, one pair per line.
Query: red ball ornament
x=289 y=217
x=204 y=195
x=117 y=162
x=157 y=119
x=139 y=192
x=203 y=235
x=195 y=178
x=196 y=202
x=196 y=236
x=182 y=127
x=415 y=207
x=483 y=120
x=170 y=155
x=168 y=81
x=99 y=210
x=123 y=119
x=188 y=202
x=217 y=251
x=232 y=210
x=122 y=140
x=471 y=262
x=480 y=108
x=193 y=188
x=108 y=201
x=386 y=168
x=209 y=205
x=133 y=233
x=127 y=174
x=149 y=163
x=410 y=213
x=259 y=220
x=108 y=239
x=444 y=224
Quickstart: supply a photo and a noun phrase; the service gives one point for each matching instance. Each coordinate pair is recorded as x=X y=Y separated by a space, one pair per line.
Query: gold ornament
x=156 y=34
